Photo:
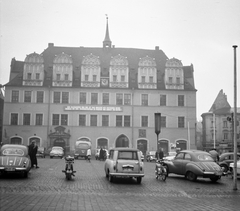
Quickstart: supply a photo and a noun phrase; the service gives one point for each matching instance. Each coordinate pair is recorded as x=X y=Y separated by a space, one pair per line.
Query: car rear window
x=13 y=151
x=127 y=155
x=203 y=157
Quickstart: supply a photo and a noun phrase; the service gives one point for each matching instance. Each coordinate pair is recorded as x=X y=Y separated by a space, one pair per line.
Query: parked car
x=57 y=152
x=193 y=164
x=170 y=156
x=231 y=167
x=226 y=158
x=15 y=159
x=151 y=156
x=41 y=152
x=124 y=162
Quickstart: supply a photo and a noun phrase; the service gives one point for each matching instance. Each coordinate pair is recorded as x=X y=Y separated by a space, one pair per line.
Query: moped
x=69 y=172
x=160 y=170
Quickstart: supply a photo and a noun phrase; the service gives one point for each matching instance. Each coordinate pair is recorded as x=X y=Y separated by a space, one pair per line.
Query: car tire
x=110 y=178
x=225 y=167
x=51 y=157
x=25 y=174
x=139 y=180
x=191 y=176
x=215 y=179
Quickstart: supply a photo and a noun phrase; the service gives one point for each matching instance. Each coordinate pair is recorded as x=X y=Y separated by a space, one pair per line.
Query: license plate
x=10 y=169
x=127 y=169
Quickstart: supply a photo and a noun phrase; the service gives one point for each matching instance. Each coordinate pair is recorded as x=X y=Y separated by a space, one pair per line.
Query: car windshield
x=13 y=151
x=204 y=157
x=127 y=155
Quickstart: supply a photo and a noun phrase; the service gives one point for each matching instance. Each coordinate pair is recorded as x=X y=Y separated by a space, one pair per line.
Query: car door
x=187 y=159
x=177 y=167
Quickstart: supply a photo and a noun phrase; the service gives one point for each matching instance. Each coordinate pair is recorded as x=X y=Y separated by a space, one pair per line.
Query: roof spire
x=107 y=43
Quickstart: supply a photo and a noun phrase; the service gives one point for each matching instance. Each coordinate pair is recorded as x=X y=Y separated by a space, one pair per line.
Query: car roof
x=124 y=149
x=194 y=151
x=13 y=146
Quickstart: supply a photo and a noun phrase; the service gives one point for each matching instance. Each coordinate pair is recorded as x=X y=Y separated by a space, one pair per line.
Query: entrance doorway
x=164 y=145
x=181 y=145
x=122 y=141
x=102 y=143
x=59 y=142
x=16 y=140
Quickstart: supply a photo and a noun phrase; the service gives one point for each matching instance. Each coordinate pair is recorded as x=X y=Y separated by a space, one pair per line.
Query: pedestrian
x=32 y=151
x=101 y=154
x=214 y=154
x=89 y=154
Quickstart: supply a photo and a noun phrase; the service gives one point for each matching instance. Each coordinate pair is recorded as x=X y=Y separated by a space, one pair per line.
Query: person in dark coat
x=32 y=151
x=101 y=154
x=159 y=154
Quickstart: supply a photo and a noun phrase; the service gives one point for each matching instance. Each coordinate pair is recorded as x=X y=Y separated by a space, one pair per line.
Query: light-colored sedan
x=231 y=167
x=124 y=162
x=57 y=152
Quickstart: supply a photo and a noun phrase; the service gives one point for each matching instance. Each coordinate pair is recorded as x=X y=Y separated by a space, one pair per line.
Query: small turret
x=107 y=43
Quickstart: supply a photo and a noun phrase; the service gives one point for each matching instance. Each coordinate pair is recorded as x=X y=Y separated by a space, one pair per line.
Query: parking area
x=47 y=189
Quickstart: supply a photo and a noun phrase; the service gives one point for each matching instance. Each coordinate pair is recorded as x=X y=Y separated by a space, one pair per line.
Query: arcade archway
x=16 y=140
x=102 y=143
x=181 y=145
x=164 y=145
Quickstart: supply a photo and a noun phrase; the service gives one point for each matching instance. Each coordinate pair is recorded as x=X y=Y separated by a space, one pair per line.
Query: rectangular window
x=143 y=79
x=86 y=77
x=40 y=96
x=55 y=119
x=178 y=80
x=170 y=80
x=27 y=96
x=94 y=77
x=144 y=99
x=29 y=76
x=163 y=121
x=56 y=97
x=64 y=119
x=15 y=96
x=26 y=119
x=82 y=120
x=66 y=77
x=83 y=98
x=180 y=100
x=105 y=120
x=126 y=121
x=39 y=119
x=127 y=99
x=181 y=122
x=105 y=98
x=163 y=100
x=150 y=79
x=119 y=99
x=144 y=121
x=122 y=78
x=37 y=76
x=65 y=97
x=94 y=98
x=118 y=121
x=14 y=119
x=93 y=120
x=225 y=125
x=225 y=136
x=114 y=78
x=58 y=77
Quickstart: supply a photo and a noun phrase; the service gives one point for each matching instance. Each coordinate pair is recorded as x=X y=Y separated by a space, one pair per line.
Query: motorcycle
x=160 y=170
x=69 y=172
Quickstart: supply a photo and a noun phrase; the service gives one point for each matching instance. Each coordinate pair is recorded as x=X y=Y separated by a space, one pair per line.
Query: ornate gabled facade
x=105 y=94
x=217 y=129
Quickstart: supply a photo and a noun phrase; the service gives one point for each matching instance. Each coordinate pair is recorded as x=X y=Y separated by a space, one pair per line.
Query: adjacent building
x=106 y=95
x=218 y=127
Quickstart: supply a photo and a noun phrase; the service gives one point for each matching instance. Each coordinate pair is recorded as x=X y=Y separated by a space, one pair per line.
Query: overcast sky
x=198 y=32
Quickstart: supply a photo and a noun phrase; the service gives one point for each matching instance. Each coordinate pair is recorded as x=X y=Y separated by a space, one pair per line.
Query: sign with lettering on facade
x=92 y=108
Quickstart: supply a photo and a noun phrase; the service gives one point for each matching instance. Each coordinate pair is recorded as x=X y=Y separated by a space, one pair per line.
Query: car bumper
x=12 y=169
x=212 y=174
x=126 y=175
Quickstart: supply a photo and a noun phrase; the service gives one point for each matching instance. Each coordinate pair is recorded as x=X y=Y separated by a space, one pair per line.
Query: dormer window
x=143 y=79
x=170 y=80
x=122 y=78
x=29 y=76
x=94 y=77
x=86 y=77
x=114 y=78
